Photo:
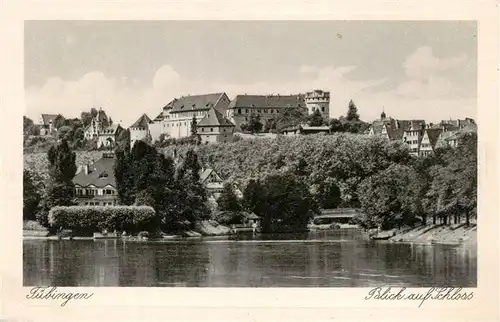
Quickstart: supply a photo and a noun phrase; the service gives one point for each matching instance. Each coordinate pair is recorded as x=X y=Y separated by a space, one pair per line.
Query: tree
x=336 y=125
x=123 y=140
x=352 y=112
x=228 y=201
x=192 y=199
x=29 y=128
x=254 y=124
x=453 y=190
x=329 y=194
x=251 y=195
x=31 y=195
x=390 y=198
x=93 y=112
x=290 y=116
x=59 y=121
x=315 y=119
x=283 y=202
x=194 y=130
x=148 y=139
x=86 y=118
x=60 y=188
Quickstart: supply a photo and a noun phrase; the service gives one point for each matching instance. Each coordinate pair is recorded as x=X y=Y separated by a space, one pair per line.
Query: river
x=342 y=258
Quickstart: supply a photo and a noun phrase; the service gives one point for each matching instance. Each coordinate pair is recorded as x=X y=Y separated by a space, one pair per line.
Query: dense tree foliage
x=29 y=127
x=228 y=201
x=253 y=125
x=146 y=177
x=390 y=198
x=60 y=188
x=282 y=201
x=32 y=190
x=316 y=119
x=352 y=112
x=452 y=193
x=290 y=116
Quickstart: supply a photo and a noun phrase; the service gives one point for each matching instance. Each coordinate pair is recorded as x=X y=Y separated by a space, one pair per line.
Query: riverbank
x=33 y=230
x=450 y=234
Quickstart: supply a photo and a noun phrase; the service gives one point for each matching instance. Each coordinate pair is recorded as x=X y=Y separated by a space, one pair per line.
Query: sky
x=410 y=69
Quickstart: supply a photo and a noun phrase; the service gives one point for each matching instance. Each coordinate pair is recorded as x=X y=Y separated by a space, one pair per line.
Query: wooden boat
x=380 y=237
x=105 y=236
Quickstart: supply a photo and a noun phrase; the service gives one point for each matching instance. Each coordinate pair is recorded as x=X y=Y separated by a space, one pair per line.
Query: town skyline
x=73 y=66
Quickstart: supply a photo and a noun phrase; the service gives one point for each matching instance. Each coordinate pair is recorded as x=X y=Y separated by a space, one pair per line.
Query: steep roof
x=47 y=118
x=433 y=135
x=112 y=129
x=395 y=134
x=159 y=117
x=204 y=174
x=101 y=174
x=214 y=118
x=267 y=101
x=142 y=122
x=193 y=102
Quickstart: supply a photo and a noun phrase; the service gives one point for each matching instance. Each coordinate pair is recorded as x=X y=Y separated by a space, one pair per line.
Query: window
x=322 y=108
x=239 y=111
x=246 y=111
x=202 y=129
x=265 y=111
x=211 y=129
x=223 y=130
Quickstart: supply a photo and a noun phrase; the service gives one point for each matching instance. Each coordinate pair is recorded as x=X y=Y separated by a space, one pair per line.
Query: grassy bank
x=450 y=234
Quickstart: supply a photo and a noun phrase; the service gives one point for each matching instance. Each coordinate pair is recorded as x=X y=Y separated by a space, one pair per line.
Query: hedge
x=88 y=219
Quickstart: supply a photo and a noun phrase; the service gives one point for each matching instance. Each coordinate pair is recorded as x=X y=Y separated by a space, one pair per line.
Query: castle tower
x=318 y=100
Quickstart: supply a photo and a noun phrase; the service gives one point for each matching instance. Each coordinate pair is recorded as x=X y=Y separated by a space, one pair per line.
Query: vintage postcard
x=257 y=162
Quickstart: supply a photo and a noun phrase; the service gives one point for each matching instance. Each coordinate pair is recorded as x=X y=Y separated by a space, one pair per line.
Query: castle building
x=215 y=127
x=318 y=100
x=267 y=107
x=176 y=117
x=140 y=129
x=100 y=130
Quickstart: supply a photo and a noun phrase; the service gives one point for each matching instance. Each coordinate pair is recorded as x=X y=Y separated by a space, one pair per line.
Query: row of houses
x=422 y=138
x=218 y=118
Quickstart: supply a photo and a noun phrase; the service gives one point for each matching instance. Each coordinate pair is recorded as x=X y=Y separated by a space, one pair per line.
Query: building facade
x=318 y=100
x=140 y=129
x=176 y=118
x=95 y=183
x=429 y=141
x=215 y=127
x=99 y=130
x=267 y=107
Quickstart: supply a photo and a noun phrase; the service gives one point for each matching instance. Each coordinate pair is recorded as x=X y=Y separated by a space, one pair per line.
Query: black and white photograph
x=250 y=154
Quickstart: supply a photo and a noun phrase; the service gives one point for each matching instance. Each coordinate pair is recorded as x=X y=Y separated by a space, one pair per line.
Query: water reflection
x=334 y=259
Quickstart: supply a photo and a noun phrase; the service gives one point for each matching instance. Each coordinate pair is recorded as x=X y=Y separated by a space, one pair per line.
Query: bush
x=88 y=219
